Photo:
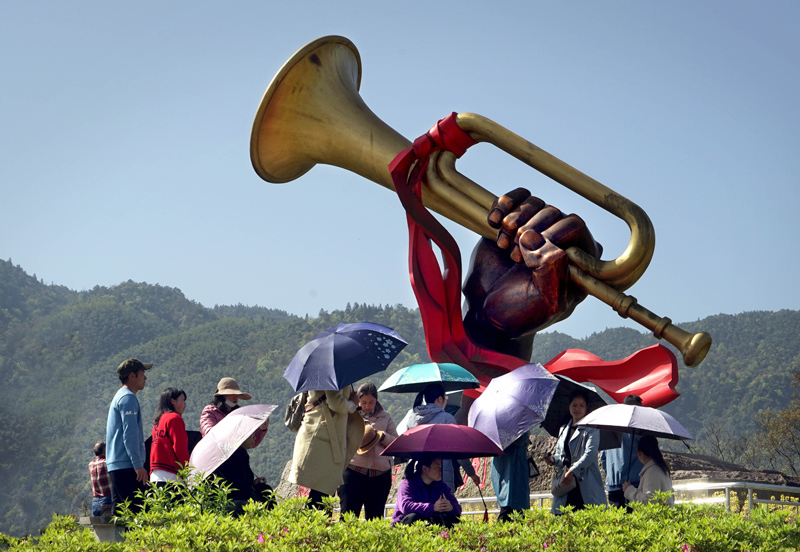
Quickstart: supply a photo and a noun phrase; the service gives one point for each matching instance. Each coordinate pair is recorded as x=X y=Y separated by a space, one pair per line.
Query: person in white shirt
x=654 y=475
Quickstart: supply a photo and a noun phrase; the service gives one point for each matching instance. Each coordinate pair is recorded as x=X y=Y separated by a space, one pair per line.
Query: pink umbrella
x=224 y=438
x=443 y=440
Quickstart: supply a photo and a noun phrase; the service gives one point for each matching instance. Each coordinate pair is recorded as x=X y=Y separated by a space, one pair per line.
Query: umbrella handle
x=482 y=500
x=630 y=460
x=485 y=508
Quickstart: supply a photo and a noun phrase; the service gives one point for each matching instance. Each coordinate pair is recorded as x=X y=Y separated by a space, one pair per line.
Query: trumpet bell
x=312 y=113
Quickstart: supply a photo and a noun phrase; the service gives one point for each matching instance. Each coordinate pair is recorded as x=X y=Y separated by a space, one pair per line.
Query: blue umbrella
x=339 y=356
x=414 y=378
x=513 y=403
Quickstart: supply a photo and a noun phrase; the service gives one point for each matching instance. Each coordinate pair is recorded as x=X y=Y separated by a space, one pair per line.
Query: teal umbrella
x=416 y=377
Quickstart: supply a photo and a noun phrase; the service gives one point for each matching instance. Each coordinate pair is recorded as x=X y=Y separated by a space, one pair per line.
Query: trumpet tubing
x=693 y=347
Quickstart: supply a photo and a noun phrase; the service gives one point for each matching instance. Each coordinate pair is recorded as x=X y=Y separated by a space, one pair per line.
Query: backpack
x=295 y=411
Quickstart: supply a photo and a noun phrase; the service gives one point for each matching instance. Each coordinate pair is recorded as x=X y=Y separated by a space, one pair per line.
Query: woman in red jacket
x=170 y=449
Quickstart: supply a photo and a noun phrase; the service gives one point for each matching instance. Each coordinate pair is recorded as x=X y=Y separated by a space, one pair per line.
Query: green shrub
x=62 y=534
x=163 y=526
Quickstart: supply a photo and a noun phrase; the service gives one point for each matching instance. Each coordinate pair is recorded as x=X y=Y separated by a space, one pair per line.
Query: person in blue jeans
x=101 y=488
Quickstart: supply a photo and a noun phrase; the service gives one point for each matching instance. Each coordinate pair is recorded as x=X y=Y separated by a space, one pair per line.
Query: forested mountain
x=59 y=350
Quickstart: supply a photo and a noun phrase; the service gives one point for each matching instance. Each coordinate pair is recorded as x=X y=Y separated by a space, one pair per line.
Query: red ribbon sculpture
x=650 y=373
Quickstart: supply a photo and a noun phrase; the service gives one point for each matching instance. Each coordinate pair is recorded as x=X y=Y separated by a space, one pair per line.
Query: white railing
x=734 y=487
x=681 y=490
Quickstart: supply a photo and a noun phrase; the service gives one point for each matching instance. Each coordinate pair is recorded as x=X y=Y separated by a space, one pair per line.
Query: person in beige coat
x=654 y=475
x=328 y=438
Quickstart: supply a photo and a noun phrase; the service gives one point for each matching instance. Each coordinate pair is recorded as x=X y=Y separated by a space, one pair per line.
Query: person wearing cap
x=622 y=464
x=368 y=478
x=226 y=399
x=125 y=451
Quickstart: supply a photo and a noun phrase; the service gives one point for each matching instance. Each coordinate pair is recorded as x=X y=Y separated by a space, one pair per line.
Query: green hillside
x=59 y=350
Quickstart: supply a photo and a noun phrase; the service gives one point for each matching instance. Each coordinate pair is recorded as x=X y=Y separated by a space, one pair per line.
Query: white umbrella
x=228 y=435
x=638 y=420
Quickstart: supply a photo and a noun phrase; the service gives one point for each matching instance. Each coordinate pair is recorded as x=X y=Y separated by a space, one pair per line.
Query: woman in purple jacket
x=423 y=497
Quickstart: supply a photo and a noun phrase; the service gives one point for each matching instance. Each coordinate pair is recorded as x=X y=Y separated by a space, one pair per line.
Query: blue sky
x=124 y=151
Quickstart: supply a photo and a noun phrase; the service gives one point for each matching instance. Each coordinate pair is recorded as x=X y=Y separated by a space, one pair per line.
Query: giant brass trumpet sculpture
x=312 y=113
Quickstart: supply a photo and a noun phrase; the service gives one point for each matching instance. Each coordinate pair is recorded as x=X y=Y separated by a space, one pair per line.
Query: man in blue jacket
x=621 y=464
x=125 y=452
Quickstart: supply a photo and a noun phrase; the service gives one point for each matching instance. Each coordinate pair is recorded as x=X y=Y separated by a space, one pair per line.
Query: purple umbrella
x=513 y=403
x=442 y=440
x=339 y=356
x=224 y=438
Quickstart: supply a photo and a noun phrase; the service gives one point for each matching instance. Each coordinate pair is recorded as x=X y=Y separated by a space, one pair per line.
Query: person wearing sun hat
x=226 y=399
x=125 y=451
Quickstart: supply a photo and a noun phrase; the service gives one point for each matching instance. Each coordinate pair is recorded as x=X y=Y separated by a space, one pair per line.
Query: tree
x=718 y=441
x=779 y=433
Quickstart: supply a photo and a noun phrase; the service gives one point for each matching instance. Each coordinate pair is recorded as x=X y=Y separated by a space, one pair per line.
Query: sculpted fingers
x=537 y=218
x=543 y=219
x=530 y=248
x=571 y=231
x=506 y=203
x=550 y=225
x=509 y=227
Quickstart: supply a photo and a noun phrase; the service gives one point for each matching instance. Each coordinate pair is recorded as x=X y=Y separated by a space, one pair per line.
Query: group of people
x=338 y=451
x=634 y=472
x=119 y=471
x=629 y=478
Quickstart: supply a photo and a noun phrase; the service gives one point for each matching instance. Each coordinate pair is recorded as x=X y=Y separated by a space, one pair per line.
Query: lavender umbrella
x=636 y=420
x=513 y=403
x=224 y=438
